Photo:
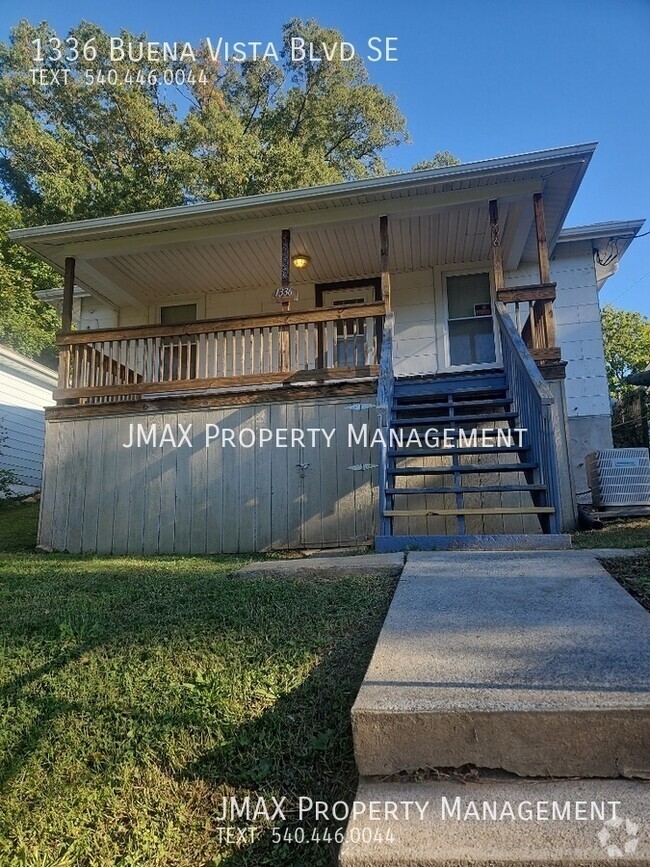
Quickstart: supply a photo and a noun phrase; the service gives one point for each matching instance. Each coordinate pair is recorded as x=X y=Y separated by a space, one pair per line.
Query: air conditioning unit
x=619 y=477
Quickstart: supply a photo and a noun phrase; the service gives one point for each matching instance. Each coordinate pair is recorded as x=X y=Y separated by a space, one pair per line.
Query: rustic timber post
x=384 y=259
x=285 y=263
x=543 y=313
x=66 y=320
x=495 y=247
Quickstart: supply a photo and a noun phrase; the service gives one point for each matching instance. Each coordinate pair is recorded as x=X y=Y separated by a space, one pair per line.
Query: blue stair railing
x=385 y=390
x=533 y=402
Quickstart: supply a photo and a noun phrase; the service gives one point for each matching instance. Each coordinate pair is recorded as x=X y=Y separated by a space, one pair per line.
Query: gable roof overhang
x=436 y=216
x=608 y=241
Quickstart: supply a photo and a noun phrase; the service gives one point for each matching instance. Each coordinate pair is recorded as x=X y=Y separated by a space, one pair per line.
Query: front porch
x=207 y=357
x=416 y=300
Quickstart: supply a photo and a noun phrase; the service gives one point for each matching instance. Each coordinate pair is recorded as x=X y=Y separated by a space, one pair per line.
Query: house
x=25 y=390
x=210 y=336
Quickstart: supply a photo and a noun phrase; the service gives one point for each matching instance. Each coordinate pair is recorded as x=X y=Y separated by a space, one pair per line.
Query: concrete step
x=520 y=823
x=537 y=664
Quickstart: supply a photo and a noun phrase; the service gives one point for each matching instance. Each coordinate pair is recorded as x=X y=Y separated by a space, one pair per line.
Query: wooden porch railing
x=531 y=306
x=532 y=312
x=124 y=364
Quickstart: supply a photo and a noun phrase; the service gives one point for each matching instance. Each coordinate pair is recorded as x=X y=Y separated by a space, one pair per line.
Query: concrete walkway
x=535 y=664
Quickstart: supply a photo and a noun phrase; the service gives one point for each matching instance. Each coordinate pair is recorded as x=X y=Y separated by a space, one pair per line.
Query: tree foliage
x=627 y=350
x=627 y=345
x=439 y=161
x=26 y=324
x=77 y=150
x=74 y=149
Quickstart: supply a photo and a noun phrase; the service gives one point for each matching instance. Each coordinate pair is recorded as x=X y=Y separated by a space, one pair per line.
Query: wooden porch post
x=544 y=313
x=384 y=257
x=284 y=269
x=66 y=320
x=495 y=247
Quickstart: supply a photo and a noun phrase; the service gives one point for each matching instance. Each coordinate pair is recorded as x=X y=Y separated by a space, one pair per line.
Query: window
x=469 y=314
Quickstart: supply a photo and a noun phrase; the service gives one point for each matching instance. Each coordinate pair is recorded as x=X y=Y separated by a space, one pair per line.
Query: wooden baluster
x=83 y=378
x=312 y=345
x=284 y=348
x=330 y=355
x=533 y=325
x=128 y=362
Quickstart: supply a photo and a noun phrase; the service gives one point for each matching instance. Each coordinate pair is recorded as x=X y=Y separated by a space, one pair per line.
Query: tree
x=26 y=324
x=77 y=149
x=627 y=345
x=73 y=150
x=439 y=161
x=627 y=351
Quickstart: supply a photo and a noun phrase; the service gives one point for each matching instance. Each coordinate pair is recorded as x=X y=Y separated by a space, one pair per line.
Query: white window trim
x=440 y=274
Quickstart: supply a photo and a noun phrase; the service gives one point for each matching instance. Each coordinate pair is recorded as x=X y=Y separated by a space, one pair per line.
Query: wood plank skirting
x=105 y=366
x=99 y=496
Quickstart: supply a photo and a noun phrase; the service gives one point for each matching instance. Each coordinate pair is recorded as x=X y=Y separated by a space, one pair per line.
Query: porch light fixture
x=300 y=261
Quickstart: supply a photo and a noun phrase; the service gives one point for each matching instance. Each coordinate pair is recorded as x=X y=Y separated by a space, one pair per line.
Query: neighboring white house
x=25 y=390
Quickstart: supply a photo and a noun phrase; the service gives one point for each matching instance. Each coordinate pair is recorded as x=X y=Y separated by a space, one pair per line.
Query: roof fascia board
x=391 y=183
x=22 y=364
x=569 y=201
x=610 y=229
x=396 y=207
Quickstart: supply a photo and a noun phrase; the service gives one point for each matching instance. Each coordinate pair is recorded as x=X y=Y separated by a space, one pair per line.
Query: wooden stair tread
x=492 y=416
x=447 y=404
x=471 y=489
x=461 y=468
x=426 y=513
x=454 y=450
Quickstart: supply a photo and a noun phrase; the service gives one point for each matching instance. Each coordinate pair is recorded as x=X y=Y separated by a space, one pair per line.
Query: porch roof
x=437 y=216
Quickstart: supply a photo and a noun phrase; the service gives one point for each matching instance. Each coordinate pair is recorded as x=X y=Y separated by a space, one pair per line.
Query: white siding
x=577 y=321
x=95 y=313
x=23 y=398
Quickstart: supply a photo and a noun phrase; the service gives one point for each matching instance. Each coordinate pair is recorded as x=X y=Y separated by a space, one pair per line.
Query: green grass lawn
x=632 y=572
x=136 y=694
x=625 y=533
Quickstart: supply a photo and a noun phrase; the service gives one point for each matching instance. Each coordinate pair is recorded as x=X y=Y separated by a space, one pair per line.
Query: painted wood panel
x=100 y=496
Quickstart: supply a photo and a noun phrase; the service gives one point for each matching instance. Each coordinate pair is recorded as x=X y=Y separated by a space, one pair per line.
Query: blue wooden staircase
x=499 y=480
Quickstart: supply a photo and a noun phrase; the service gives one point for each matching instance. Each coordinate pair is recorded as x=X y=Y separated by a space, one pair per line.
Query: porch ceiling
x=436 y=217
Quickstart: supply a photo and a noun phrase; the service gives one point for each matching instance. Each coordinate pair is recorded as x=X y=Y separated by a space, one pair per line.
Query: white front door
x=469 y=314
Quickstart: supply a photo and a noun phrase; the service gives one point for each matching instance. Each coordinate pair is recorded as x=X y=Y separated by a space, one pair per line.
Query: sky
x=480 y=78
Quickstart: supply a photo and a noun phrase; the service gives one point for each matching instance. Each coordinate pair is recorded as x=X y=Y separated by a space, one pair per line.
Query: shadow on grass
x=88 y=624
x=311 y=758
